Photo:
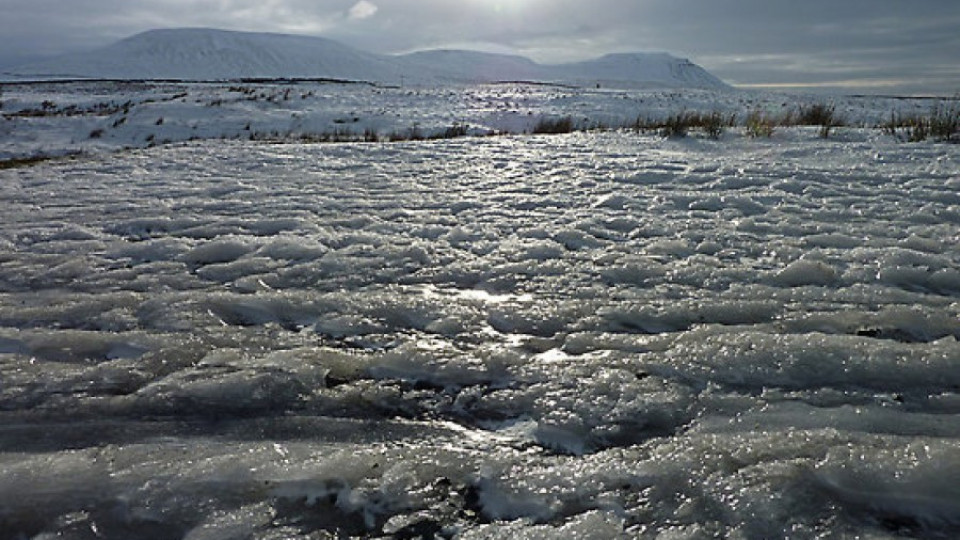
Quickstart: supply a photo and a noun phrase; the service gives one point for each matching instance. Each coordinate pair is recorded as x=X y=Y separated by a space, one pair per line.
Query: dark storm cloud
x=872 y=45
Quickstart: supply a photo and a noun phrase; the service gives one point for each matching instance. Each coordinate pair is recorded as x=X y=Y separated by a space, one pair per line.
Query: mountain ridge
x=211 y=54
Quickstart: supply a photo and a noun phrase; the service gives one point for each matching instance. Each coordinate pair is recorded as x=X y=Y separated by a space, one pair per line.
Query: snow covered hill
x=206 y=54
x=471 y=66
x=638 y=69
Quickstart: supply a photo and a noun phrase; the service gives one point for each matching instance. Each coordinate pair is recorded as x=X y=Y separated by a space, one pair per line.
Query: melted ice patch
x=475 y=295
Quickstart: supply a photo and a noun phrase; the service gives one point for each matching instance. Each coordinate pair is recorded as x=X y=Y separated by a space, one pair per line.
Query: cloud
x=363 y=10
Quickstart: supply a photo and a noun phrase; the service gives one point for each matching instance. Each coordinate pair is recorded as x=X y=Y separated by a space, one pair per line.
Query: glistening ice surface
x=585 y=336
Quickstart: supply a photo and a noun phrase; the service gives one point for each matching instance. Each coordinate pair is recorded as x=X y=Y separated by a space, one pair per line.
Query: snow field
x=55 y=119
x=591 y=335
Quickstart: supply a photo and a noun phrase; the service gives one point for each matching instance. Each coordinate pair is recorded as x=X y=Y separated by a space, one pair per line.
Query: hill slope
x=632 y=69
x=202 y=54
x=206 y=54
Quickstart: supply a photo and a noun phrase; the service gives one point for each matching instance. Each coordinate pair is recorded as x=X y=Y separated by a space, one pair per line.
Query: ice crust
x=595 y=335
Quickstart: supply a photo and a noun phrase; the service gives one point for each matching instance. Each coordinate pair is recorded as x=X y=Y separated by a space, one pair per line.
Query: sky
x=849 y=46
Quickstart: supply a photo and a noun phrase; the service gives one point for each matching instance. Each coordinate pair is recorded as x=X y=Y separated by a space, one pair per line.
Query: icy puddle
x=587 y=336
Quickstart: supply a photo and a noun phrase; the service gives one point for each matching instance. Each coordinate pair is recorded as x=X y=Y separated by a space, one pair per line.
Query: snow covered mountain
x=471 y=66
x=638 y=69
x=206 y=54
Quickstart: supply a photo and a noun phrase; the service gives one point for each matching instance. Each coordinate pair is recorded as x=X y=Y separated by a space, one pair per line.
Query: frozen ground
x=594 y=335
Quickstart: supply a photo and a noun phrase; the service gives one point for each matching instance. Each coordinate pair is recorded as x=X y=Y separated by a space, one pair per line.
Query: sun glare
x=500 y=6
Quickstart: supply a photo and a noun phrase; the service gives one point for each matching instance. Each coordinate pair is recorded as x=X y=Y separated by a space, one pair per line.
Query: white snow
x=54 y=119
x=592 y=335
